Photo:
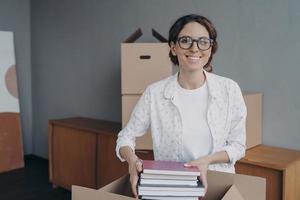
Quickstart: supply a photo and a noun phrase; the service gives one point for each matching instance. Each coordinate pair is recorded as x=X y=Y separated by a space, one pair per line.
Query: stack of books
x=166 y=180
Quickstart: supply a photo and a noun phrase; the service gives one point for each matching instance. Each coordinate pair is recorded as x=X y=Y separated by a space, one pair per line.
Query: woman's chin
x=193 y=68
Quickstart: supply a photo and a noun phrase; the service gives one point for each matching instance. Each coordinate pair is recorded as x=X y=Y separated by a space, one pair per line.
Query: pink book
x=168 y=168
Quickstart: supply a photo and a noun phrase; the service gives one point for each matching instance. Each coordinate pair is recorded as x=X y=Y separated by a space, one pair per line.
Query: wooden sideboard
x=82 y=152
x=280 y=167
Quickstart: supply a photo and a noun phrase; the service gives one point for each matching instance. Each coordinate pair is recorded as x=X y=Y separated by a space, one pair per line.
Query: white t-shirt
x=197 y=139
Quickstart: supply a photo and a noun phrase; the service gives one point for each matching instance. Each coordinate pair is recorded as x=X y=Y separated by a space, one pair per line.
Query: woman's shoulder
x=221 y=80
x=223 y=85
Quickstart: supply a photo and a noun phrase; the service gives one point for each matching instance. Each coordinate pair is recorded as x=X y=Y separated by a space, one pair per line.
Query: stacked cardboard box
x=141 y=65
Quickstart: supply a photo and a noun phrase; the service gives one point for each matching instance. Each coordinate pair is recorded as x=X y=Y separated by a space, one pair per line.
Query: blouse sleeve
x=236 y=141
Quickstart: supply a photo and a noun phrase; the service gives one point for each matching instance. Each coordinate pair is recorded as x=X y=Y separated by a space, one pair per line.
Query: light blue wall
x=15 y=17
x=76 y=56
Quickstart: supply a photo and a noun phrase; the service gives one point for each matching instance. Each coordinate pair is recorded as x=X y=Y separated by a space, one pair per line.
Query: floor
x=30 y=183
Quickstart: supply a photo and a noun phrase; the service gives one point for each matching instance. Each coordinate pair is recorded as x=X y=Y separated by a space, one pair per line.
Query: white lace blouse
x=158 y=108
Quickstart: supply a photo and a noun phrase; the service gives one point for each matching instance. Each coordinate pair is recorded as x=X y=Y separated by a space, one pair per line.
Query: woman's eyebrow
x=192 y=36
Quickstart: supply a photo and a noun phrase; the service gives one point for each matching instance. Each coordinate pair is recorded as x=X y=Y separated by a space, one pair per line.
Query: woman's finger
x=204 y=181
x=139 y=165
x=133 y=186
x=190 y=164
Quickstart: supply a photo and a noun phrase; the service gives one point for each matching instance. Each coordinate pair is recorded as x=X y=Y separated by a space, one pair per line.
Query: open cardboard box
x=222 y=186
x=143 y=63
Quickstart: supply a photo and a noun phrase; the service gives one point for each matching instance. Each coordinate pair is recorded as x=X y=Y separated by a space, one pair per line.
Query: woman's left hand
x=202 y=164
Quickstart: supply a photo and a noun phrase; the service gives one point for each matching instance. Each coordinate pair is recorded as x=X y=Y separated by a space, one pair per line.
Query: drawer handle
x=145 y=57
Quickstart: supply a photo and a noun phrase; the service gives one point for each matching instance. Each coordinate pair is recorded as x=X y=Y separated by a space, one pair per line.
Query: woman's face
x=191 y=59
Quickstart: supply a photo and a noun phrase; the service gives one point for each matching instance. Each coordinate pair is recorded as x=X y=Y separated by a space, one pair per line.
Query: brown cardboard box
x=253 y=124
x=143 y=63
x=128 y=103
x=222 y=186
x=254 y=119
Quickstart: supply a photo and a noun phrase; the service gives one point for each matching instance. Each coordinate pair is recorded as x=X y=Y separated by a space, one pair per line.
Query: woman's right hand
x=135 y=166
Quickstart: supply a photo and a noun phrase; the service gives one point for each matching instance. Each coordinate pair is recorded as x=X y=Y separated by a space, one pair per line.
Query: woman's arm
x=236 y=140
x=137 y=126
x=218 y=157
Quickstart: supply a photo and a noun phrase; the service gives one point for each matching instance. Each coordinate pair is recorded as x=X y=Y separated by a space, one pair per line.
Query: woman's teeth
x=193 y=57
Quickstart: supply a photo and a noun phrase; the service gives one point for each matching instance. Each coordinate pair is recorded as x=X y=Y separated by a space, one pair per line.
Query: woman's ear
x=172 y=48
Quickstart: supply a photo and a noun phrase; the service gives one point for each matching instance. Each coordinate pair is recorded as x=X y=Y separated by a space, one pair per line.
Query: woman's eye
x=185 y=40
x=203 y=42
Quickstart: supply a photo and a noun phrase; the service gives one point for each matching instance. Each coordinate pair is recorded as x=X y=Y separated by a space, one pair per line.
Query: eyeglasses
x=203 y=43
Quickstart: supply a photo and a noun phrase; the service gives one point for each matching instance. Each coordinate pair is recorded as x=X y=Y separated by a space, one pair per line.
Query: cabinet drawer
x=73 y=157
x=110 y=167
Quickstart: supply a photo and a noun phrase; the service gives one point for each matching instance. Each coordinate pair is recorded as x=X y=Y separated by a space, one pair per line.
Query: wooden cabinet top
x=271 y=157
x=90 y=125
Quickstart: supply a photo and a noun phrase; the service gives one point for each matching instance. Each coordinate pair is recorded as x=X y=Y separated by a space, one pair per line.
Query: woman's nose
x=194 y=47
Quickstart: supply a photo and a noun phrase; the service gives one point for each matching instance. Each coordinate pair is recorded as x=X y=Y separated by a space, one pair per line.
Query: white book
x=168 y=168
x=169 y=177
x=171 y=188
x=168 y=182
x=169 y=198
x=172 y=193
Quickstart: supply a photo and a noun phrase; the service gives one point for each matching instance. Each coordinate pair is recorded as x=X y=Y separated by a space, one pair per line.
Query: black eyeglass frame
x=211 y=42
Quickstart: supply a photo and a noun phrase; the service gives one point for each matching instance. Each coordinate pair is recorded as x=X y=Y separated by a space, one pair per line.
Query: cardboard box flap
x=134 y=36
x=119 y=186
x=138 y=33
x=218 y=184
x=158 y=36
x=80 y=193
x=250 y=187
x=233 y=193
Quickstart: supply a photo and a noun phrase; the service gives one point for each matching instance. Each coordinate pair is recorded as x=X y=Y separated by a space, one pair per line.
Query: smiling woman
x=195 y=116
x=207 y=30
x=187 y=48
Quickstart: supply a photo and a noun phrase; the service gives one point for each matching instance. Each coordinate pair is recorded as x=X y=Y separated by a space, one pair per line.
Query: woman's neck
x=191 y=80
